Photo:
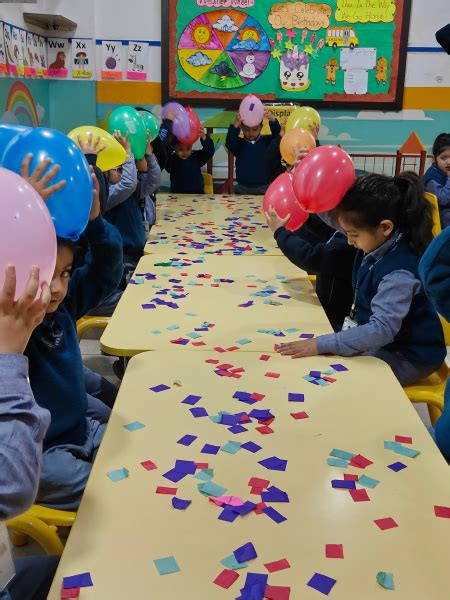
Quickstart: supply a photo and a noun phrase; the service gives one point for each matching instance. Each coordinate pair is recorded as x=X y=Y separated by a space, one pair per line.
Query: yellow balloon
x=112 y=156
x=304 y=117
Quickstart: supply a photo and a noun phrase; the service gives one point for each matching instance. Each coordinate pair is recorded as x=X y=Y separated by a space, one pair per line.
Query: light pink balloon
x=27 y=234
x=251 y=111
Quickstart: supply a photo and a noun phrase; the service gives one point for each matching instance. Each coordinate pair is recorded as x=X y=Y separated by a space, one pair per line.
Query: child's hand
x=40 y=181
x=149 y=149
x=268 y=114
x=274 y=221
x=123 y=141
x=95 y=208
x=18 y=318
x=299 y=349
x=90 y=147
x=300 y=156
x=202 y=132
x=238 y=121
x=283 y=126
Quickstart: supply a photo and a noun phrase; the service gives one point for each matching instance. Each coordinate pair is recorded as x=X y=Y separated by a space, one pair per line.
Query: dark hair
x=441 y=143
x=142 y=109
x=373 y=198
x=65 y=243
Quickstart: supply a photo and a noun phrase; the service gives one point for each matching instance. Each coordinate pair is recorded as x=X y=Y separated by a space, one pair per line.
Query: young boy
x=56 y=368
x=250 y=152
x=184 y=166
x=437 y=178
x=149 y=180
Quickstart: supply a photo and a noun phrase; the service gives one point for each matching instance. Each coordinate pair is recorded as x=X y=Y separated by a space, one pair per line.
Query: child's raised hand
x=95 y=208
x=299 y=349
x=202 y=132
x=149 y=149
x=274 y=221
x=90 y=146
x=18 y=318
x=39 y=179
x=238 y=121
x=283 y=126
x=123 y=141
x=268 y=114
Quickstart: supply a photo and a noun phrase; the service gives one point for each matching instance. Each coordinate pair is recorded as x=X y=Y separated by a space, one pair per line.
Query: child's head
x=377 y=205
x=115 y=175
x=251 y=133
x=441 y=152
x=61 y=276
x=183 y=151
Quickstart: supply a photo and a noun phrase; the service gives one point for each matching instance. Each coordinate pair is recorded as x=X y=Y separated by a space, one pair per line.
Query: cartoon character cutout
x=60 y=61
x=81 y=60
x=331 y=68
x=294 y=71
x=249 y=69
x=382 y=69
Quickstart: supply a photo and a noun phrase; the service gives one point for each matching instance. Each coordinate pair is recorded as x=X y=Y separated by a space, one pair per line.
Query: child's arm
x=207 y=150
x=102 y=273
x=442 y=192
x=390 y=306
x=273 y=166
x=150 y=181
x=274 y=125
x=121 y=191
x=434 y=270
x=233 y=143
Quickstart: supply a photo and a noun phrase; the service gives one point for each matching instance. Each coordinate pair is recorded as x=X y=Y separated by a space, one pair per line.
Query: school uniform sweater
x=185 y=174
x=251 y=163
x=438 y=183
x=55 y=365
x=391 y=309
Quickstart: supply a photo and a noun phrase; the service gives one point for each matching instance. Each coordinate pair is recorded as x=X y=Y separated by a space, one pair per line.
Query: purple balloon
x=177 y=113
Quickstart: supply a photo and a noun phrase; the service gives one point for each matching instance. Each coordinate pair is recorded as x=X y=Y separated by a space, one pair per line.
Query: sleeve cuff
x=91 y=158
x=14 y=374
x=279 y=232
x=326 y=344
x=95 y=228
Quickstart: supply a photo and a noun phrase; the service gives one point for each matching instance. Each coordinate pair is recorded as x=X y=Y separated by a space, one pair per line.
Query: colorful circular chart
x=224 y=49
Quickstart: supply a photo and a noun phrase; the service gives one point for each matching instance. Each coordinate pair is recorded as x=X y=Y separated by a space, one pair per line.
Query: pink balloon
x=280 y=195
x=322 y=178
x=27 y=234
x=194 y=128
x=251 y=111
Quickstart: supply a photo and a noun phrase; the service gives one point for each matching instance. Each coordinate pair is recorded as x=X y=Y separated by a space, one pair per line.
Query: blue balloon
x=8 y=132
x=69 y=207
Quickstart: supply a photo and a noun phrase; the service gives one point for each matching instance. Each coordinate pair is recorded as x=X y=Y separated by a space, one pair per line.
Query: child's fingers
x=89 y=138
x=97 y=142
x=54 y=188
x=101 y=148
x=36 y=174
x=25 y=167
x=51 y=173
x=31 y=289
x=9 y=289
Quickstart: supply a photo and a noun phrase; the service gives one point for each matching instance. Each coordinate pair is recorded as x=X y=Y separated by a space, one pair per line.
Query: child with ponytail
x=389 y=222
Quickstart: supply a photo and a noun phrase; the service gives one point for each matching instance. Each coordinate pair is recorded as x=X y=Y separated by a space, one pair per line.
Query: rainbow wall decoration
x=21 y=104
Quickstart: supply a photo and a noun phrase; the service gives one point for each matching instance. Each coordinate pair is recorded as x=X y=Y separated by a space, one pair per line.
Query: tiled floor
x=95 y=360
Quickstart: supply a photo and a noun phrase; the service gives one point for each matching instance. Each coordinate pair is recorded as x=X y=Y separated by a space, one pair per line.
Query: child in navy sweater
x=184 y=166
x=252 y=174
x=56 y=368
x=389 y=222
x=437 y=178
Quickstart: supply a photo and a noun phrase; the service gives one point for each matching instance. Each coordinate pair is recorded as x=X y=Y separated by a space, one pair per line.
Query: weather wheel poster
x=335 y=52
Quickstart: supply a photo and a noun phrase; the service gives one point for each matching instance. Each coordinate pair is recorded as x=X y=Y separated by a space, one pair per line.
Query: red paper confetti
x=226 y=578
x=149 y=465
x=442 y=511
x=277 y=565
x=259 y=508
x=359 y=495
x=350 y=477
x=258 y=482
x=403 y=439
x=277 y=592
x=300 y=415
x=386 y=523
x=334 y=551
x=264 y=429
x=264 y=357
x=360 y=461
x=166 y=490
x=270 y=374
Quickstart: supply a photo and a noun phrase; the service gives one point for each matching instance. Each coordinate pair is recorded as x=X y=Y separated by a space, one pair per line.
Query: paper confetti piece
x=251 y=447
x=273 y=375
x=118 y=475
x=149 y=465
x=231 y=447
x=226 y=578
x=274 y=494
x=442 y=511
x=245 y=552
x=243 y=341
x=399 y=449
x=187 y=440
x=334 y=551
x=277 y=565
x=339 y=367
x=385 y=523
x=277 y=592
x=321 y=583
x=166 y=490
x=337 y=462
x=160 y=388
x=351 y=477
x=274 y=514
x=342 y=454
x=180 y=504
x=359 y=495
x=264 y=429
x=69 y=593
x=78 y=581
x=166 y=565
x=300 y=415
x=230 y=562
x=185 y=466
x=343 y=484
x=360 y=461
x=191 y=400
x=403 y=439
x=198 y=411
x=134 y=426
x=210 y=488
x=368 y=481
x=274 y=463
x=386 y=580
x=293 y=397
x=264 y=357
x=210 y=449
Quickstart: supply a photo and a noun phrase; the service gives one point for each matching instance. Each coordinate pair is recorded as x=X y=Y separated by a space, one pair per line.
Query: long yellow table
x=122 y=527
x=214 y=299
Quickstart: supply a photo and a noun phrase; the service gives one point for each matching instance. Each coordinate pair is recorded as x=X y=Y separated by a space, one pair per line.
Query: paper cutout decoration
x=12 y=51
x=19 y=37
x=167 y=565
x=70 y=593
x=111 y=65
x=442 y=511
x=43 y=71
x=29 y=61
x=245 y=552
x=82 y=58
x=386 y=523
x=77 y=581
x=137 y=65
x=3 y=63
x=59 y=57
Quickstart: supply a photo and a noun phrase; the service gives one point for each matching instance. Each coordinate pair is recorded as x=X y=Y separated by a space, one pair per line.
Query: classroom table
x=213 y=301
x=211 y=224
x=123 y=526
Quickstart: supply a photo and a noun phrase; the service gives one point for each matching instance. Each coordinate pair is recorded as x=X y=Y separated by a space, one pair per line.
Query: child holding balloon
x=389 y=222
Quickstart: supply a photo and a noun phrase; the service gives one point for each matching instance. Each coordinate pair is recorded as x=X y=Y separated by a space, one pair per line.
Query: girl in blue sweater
x=437 y=178
x=389 y=222
x=56 y=368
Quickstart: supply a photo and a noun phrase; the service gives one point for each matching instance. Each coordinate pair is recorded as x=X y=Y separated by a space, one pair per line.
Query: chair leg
x=18 y=539
x=434 y=413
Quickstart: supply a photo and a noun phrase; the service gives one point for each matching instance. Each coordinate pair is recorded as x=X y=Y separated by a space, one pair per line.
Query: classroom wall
x=65 y=104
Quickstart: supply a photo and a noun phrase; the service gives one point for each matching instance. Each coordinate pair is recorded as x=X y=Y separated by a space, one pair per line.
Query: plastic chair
x=431 y=391
x=41 y=524
x=446 y=329
x=437 y=228
x=86 y=323
x=208 y=183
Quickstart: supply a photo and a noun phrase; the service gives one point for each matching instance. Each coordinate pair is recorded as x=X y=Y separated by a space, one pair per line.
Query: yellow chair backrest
x=436 y=217
x=208 y=183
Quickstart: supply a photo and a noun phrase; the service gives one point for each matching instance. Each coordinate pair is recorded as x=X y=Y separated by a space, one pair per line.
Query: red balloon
x=280 y=195
x=194 y=128
x=322 y=178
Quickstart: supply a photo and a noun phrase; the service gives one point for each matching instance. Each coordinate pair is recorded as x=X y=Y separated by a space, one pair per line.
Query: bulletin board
x=330 y=53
